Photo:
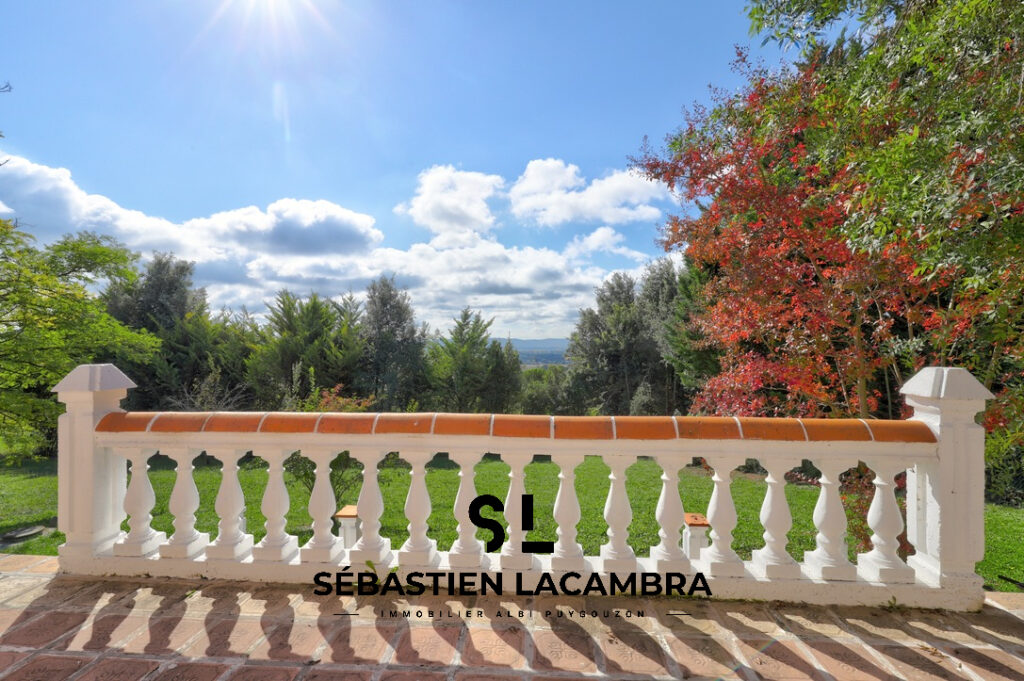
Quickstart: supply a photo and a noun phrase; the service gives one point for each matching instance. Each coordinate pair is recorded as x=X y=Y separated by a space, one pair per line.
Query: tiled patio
x=54 y=628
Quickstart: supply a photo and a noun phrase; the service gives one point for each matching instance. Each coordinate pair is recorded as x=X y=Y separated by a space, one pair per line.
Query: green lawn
x=28 y=494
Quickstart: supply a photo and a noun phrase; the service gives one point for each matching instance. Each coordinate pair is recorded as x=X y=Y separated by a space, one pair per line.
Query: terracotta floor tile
x=633 y=653
x=119 y=669
x=561 y=650
x=413 y=676
x=494 y=648
x=191 y=671
x=8 y=659
x=427 y=645
x=874 y=625
x=46 y=567
x=12 y=587
x=13 y=617
x=747 y=619
x=990 y=663
x=254 y=673
x=59 y=592
x=846 y=660
x=226 y=638
x=163 y=635
x=490 y=675
x=921 y=663
x=296 y=641
x=48 y=668
x=15 y=563
x=1001 y=627
x=809 y=622
x=332 y=675
x=942 y=627
x=358 y=644
x=775 y=660
x=44 y=629
x=108 y=631
x=702 y=656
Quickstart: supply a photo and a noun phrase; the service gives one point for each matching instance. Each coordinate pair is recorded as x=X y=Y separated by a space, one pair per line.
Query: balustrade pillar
x=829 y=560
x=232 y=542
x=418 y=550
x=617 y=554
x=946 y=497
x=720 y=558
x=512 y=556
x=668 y=555
x=323 y=546
x=277 y=545
x=773 y=561
x=371 y=547
x=467 y=551
x=882 y=563
x=142 y=539
x=568 y=554
x=186 y=542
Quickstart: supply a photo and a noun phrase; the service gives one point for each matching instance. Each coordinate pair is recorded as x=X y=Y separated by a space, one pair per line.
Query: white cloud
x=245 y=255
x=551 y=192
x=602 y=240
x=453 y=204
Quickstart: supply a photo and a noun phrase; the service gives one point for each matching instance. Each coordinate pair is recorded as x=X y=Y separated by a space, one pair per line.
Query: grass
x=28 y=495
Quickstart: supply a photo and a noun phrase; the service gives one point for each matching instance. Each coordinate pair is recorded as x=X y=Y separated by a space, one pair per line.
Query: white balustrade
x=568 y=554
x=941 y=449
x=721 y=559
x=232 y=542
x=467 y=551
x=142 y=539
x=419 y=551
x=277 y=545
x=323 y=546
x=668 y=554
x=773 y=562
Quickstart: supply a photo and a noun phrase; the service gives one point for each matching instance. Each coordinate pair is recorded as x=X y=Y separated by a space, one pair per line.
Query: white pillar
x=323 y=546
x=419 y=550
x=186 y=542
x=142 y=539
x=512 y=556
x=720 y=557
x=668 y=554
x=371 y=547
x=568 y=554
x=617 y=554
x=946 y=498
x=773 y=561
x=829 y=559
x=277 y=546
x=232 y=543
x=91 y=481
x=882 y=563
x=467 y=551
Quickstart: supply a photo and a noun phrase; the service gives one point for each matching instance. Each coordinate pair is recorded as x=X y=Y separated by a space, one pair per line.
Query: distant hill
x=535 y=351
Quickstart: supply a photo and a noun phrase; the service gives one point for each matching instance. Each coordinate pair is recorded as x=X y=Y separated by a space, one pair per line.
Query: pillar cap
x=945 y=383
x=93 y=378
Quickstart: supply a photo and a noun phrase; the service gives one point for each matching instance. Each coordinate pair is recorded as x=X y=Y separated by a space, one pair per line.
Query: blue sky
x=477 y=150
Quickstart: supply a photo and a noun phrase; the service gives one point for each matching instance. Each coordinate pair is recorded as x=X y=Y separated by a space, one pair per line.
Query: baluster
x=829 y=560
x=232 y=543
x=277 y=545
x=721 y=560
x=568 y=554
x=186 y=542
x=512 y=556
x=323 y=546
x=142 y=539
x=371 y=546
x=617 y=553
x=882 y=563
x=418 y=550
x=668 y=554
x=773 y=561
x=467 y=551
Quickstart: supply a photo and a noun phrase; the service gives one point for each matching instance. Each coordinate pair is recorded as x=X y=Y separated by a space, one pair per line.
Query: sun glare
x=280 y=25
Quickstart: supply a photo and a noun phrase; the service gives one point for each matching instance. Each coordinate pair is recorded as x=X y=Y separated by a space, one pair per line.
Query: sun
x=277 y=25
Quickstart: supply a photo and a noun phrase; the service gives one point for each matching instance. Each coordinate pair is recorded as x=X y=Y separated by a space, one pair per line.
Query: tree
x=860 y=214
x=469 y=372
x=393 y=369
x=314 y=339
x=50 y=322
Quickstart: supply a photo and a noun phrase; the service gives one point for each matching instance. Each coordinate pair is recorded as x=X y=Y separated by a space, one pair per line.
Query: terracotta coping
x=524 y=426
